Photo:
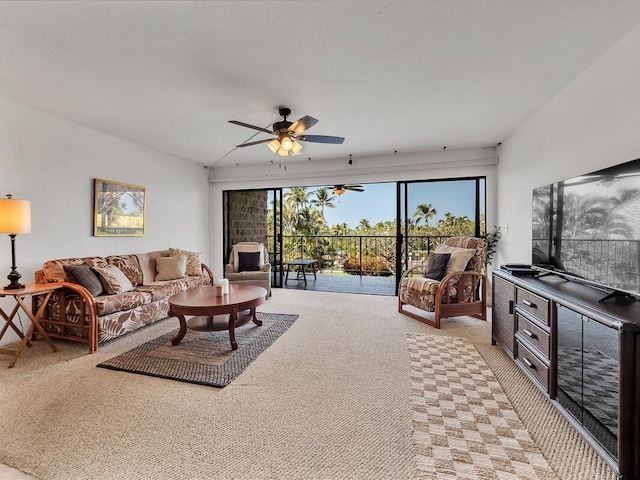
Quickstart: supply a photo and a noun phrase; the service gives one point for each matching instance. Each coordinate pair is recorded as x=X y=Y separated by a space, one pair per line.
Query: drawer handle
x=528 y=362
x=529 y=333
x=529 y=304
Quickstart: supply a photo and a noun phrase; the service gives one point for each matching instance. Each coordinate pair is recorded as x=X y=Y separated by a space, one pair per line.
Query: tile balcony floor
x=343 y=283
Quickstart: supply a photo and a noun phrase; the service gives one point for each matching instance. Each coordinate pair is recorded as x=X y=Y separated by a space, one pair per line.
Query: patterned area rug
x=204 y=358
x=464 y=426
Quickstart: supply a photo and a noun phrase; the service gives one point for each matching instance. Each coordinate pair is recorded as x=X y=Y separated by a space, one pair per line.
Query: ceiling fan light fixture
x=282 y=152
x=274 y=145
x=339 y=191
x=296 y=148
x=285 y=142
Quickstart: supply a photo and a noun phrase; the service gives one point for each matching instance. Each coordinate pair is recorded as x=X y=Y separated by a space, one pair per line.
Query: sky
x=378 y=201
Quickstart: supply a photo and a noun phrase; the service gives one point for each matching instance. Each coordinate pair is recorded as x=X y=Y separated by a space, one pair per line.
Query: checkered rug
x=464 y=426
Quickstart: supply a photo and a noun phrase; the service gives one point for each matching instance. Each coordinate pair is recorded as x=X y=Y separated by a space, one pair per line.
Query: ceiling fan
x=288 y=134
x=340 y=189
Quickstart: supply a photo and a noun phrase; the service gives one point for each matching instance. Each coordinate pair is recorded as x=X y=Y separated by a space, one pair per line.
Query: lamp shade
x=295 y=149
x=15 y=216
x=274 y=145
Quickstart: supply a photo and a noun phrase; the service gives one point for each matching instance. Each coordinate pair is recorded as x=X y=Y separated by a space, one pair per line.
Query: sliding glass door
x=429 y=211
x=255 y=216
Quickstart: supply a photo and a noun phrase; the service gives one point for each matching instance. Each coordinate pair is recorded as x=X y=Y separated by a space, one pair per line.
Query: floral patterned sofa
x=136 y=291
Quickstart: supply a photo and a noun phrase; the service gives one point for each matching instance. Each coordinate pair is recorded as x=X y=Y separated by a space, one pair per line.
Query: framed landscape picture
x=119 y=209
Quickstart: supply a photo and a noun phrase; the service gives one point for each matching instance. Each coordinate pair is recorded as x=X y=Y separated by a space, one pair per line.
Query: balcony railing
x=368 y=255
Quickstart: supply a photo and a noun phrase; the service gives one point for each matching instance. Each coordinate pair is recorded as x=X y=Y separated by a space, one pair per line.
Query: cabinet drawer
x=534 y=335
x=533 y=304
x=533 y=365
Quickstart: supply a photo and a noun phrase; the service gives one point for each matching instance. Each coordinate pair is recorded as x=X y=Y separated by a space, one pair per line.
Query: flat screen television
x=587 y=229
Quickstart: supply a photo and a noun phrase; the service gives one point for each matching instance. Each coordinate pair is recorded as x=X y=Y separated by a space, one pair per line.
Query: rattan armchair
x=459 y=292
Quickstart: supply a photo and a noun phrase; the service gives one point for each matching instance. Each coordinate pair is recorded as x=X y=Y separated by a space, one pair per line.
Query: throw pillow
x=248 y=261
x=194 y=263
x=459 y=257
x=113 y=280
x=436 y=267
x=171 y=268
x=148 y=267
x=129 y=265
x=83 y=275
x=246 y=247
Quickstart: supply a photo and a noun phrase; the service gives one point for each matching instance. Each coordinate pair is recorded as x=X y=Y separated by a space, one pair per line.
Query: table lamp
x=15 y=218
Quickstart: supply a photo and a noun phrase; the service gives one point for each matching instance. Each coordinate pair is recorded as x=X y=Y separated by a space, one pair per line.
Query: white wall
x=53 y=163
x=593 y=123
x=373 y=169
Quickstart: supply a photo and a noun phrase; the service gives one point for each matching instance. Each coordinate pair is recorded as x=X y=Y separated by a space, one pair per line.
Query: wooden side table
x=20 y=295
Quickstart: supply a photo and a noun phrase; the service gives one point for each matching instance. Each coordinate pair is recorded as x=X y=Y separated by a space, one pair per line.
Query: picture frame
x=119 y=209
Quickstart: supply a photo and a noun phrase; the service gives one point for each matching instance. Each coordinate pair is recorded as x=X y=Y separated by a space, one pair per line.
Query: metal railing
x=368 y=255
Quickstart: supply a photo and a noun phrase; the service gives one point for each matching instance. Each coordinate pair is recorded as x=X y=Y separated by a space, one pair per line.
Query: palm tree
x=364 y=226
x=298 y=197
x=322 y=200
x=452 y=226
x=341 y=229
x=424 y=212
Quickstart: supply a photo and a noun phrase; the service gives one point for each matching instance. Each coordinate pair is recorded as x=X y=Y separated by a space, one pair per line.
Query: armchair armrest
x=266 y=267
x=87 y=311
x=467 y=283
x=418 y=269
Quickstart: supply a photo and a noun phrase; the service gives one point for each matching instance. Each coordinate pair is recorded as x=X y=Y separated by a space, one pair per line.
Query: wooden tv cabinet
x=583 y=354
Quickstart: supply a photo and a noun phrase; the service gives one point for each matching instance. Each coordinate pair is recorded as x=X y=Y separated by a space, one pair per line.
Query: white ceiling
x=404 y=76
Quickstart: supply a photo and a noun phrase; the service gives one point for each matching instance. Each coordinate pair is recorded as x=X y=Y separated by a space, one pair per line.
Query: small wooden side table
x=20 y=295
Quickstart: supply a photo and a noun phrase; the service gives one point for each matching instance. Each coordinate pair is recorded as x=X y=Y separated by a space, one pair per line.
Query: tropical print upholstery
x=421 y=292
x=68 y=314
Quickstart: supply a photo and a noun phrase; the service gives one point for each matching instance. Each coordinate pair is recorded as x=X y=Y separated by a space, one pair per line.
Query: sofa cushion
x=436 y=266
x=53 y=270
x=83 y=275
x=194 y=267
x=113 y=279
x=170 y=268
x=129 y=266
x=147 y=264
x=107 y=304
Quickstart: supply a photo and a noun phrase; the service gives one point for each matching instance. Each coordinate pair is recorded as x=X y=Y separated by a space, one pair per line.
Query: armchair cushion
x=436 y=266
x=249 y=261
x=459 y=257
x=249 y=247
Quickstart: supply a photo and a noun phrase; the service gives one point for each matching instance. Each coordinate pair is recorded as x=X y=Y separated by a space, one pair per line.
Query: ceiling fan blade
x=303 y=124
x=257 y=142
x=242 y=124
x=355 y=188
x=321 y=139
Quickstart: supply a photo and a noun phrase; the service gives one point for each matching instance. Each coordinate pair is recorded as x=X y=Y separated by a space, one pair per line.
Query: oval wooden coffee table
x=213 y=313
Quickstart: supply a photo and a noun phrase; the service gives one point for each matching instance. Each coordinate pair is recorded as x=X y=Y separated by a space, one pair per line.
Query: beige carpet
x=330 y=399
